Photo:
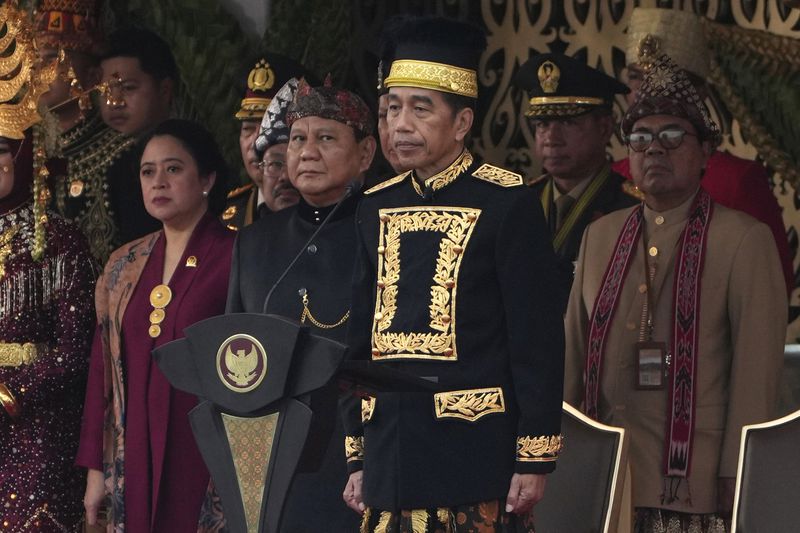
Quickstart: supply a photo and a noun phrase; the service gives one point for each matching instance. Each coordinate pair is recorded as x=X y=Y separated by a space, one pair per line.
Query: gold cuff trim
x=8 y=401
x=435 y=76
x=579 y=100
x=539 y=449
x=354 y=448
x=367 y=409
x=469 y=404
x=17 y=354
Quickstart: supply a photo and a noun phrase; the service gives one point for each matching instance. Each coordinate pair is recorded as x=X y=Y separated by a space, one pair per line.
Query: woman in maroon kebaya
x=136 y=440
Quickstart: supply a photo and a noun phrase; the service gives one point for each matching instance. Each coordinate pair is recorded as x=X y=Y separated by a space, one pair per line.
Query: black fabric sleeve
x=531 y=290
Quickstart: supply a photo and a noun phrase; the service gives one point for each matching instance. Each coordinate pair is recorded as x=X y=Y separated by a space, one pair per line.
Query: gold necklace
x=320 y=325
x=160 y=297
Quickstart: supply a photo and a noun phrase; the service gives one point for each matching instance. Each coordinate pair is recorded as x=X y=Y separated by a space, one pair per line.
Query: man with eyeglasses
x=570 y=113
x=677 y=316
x=732 y=181
x=257 y=199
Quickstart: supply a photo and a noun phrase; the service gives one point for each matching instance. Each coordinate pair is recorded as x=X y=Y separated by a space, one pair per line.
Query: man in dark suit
x=456 y=279
x=570 y=112
x=328 y=148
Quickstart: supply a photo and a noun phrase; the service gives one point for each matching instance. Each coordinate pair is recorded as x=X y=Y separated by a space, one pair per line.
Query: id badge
x=650 y=363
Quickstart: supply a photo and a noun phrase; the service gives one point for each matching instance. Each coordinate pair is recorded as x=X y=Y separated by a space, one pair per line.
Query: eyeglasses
x=669 y=139
x=272 y=167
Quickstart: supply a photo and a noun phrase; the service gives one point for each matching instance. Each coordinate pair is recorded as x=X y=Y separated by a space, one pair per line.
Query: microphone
x=352 y=188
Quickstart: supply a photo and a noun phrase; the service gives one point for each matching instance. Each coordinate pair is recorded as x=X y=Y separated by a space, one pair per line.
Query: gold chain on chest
x=307 y=314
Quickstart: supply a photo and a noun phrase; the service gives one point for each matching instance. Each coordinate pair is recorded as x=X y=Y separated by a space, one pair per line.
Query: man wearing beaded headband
x=570 y=112
x=326 y=134
x=456 y=279
x=247 y=202
x=731 y=181
x=46 y=308
x=677 y=316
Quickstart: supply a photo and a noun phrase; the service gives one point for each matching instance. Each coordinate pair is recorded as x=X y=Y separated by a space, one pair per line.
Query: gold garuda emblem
x=241 y=363
x=549 y=74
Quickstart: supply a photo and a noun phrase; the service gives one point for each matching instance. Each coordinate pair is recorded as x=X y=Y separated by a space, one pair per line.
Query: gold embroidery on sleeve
x=539 y=449
x=354 y=448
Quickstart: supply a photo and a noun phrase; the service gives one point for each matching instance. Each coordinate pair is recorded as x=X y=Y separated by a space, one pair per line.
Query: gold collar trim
x=434 y=76
x=447 y=176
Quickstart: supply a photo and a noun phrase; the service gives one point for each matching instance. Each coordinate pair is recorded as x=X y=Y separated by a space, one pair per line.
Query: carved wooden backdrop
x=593 y=30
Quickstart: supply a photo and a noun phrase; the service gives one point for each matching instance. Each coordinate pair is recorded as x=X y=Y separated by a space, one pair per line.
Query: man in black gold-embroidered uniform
x=456 y=280
x=570 y=110
x=329 y=149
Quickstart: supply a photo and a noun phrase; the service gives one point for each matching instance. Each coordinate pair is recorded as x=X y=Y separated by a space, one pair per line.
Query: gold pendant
x=160 y=296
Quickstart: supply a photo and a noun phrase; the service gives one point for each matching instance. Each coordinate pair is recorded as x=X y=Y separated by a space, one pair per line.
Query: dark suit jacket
x=465 y=280
x=262 y=252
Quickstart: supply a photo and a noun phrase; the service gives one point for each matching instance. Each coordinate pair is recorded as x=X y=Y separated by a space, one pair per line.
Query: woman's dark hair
x=201 y=145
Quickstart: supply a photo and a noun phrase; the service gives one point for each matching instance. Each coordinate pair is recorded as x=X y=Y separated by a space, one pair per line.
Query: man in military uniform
x=456 y=281
x=88 y=147
x=570 y=110
x=250 y=201
x=330 y=149
x=731 y=181
x=677 y=317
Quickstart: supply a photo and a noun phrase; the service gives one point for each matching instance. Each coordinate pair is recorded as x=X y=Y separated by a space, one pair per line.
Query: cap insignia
x=549 y=74
x=262 y=77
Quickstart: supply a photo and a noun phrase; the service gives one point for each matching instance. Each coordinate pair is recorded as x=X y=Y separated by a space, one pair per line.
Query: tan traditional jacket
x=742 y=327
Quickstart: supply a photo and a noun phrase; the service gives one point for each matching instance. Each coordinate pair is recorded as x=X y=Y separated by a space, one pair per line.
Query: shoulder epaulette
x=240 y=190
x=632 y=190
x=536 y=180
x=498 y=176
x=388 y=183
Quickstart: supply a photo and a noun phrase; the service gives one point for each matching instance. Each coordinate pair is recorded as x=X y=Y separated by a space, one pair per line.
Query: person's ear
x=463 y=122
x=366 y=149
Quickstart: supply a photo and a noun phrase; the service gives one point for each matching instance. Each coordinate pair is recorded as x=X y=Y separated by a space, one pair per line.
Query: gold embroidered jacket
x=456 y=280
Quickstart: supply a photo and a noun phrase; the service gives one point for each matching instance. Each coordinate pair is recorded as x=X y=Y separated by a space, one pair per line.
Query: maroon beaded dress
x=48 y=303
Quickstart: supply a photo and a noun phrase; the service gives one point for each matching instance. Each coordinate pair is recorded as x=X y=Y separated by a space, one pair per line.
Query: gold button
x=458 y=249
x=378 y=315
x=381 y=249
x=643 y=288
x=631 y=326
x=653 y=251
x=659 y=220
x=157 y=316
x=154 y=330
x=381 y=284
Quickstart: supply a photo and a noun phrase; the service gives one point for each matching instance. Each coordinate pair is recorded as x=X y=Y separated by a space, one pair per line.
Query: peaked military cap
x=559 y=85
x=437 y=53
x=268 y=75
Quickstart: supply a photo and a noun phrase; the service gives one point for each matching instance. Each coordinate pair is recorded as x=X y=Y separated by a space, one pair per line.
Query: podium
x=255 y=375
